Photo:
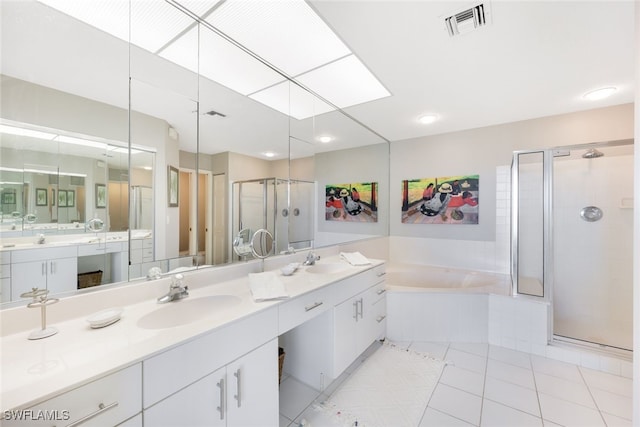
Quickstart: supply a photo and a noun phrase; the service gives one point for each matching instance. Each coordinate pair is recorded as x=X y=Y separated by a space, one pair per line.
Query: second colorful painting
x=441 y=200
x=354 y=202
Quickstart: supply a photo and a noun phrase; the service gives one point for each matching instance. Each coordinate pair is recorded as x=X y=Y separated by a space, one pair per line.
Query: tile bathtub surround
x=488 y=385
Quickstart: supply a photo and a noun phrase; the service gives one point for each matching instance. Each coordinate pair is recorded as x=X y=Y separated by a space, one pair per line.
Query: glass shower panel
x=530 y=223
x=593 y=223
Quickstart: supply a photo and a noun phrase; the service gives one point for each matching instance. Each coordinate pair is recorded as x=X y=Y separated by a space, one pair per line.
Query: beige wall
x=482 y=150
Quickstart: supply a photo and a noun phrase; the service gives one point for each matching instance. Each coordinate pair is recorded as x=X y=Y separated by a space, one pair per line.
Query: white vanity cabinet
x=55 y=269
x=357 y=320
x=244 y=393
x=5 y=276
x=108 y=401
x=228 y=377
x=321 y=348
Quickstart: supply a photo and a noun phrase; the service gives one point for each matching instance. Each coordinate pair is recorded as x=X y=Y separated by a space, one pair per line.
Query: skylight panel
x=228 y=65
x=153 y=23
x=292 y=100
x=184 y=50
x=345 y=82
x=286 y=33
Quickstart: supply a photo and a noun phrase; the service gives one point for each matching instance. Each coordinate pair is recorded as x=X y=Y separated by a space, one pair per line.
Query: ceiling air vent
x=467 y=20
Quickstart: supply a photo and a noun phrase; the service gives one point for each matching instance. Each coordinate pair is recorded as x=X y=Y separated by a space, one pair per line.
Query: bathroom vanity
x=211 y=358
x=55 y=263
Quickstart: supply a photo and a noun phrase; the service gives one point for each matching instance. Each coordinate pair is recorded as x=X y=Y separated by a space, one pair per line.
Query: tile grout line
x=535 y=385
x=484 y=383
x=592 y=396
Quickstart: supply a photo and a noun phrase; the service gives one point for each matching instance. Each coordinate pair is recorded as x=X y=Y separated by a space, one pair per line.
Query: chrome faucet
x=177 y=290
x=41 y=239
x=311 y=259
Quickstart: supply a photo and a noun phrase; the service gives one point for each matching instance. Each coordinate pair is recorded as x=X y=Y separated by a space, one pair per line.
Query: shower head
x=592 y=153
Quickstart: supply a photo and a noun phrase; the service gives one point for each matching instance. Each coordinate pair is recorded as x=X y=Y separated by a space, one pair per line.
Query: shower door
x=593 y=245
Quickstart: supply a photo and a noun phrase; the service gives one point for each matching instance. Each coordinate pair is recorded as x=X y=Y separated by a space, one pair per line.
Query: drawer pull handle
x=381 y=291
x=382 y=274
x=238 y=396
x=102 y=408
x=380 y=318
x=222 y=403
x=312 y=306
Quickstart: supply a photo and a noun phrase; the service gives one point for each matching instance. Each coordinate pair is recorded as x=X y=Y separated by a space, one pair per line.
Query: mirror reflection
x=143 y=114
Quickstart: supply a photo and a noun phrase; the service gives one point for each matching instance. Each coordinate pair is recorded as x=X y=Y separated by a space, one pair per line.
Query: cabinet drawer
x=136 y=256
x=297 y=311
x=106 y=401
x=28 y=255
x=147 y=243
x=135 y=244
x=5 y=257
x=168 y=372
x=377 y=292
x=5 y=271
x=379 y=313
x=351 y=286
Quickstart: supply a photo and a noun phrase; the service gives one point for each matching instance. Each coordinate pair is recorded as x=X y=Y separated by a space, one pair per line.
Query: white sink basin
x=329 y=268
x=186 y=311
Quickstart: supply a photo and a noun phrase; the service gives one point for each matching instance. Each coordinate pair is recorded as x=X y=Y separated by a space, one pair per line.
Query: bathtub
x=426 y=278
x=429 y=303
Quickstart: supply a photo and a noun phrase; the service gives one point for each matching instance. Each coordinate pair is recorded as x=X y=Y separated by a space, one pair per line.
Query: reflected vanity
x=75 y=150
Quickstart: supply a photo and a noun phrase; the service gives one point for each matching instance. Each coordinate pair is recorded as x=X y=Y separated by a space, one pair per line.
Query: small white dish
x=289 y=269
x=104 y=318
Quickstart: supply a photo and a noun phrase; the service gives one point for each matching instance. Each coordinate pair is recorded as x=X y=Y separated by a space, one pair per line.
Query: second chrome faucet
x=177 y=290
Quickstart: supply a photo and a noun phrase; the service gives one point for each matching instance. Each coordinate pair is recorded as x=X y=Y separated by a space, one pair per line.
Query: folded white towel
x=355 y=258
x=266 y=286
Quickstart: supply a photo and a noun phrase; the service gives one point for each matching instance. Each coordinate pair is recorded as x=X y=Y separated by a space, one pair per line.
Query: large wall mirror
x=154 y=143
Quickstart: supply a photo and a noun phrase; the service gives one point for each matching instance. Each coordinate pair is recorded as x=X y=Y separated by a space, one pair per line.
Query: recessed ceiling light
x=601 y=93
x=147 y=168
x=325 y=139
x=269 y=154
x=427 y=119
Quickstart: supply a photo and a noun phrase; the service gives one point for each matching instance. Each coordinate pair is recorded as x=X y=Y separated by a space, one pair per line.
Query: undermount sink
x=328 y=268
x=186 y=311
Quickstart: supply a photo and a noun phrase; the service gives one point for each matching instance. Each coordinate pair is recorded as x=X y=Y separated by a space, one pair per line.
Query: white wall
x=488 y=152
x=363 y=164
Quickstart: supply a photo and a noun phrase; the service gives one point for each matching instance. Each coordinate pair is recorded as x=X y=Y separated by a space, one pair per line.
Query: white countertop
x=33 y=371
x=52 y=241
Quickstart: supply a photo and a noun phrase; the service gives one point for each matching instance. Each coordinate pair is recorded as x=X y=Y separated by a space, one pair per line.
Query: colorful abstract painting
x=355 y=202
x=441 y=200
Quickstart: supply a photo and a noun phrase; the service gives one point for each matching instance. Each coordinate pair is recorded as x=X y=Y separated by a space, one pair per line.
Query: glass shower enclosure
x=283 y=207
x=571 y=239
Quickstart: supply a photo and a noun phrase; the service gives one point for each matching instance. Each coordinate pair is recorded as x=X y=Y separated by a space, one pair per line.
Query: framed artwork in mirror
x=352 y=202
x=53 y=197
x=41 y=197
x=62 y=199
x=101 y=196
x=71 y=198
x=8 y=198
x=172 y=186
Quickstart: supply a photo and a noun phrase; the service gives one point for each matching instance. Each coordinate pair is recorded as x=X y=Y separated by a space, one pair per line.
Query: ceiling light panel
x=291 y=99
x=344 y=83
x=184 y=50
x=153 y=23
x=286 y=33
x=220 y=61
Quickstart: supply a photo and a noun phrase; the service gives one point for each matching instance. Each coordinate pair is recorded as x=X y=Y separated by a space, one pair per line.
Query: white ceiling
x=534 y=59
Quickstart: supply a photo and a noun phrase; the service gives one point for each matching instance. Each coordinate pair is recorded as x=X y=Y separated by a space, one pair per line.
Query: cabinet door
x=253 y=388
x=196 y=405
x=345 y=330
x=27 y=275
x=62 y=275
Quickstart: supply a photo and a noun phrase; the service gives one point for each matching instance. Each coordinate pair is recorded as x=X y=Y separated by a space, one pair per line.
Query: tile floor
x=486 y=385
